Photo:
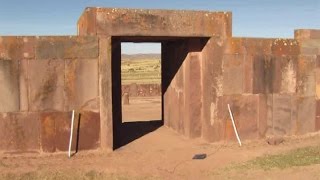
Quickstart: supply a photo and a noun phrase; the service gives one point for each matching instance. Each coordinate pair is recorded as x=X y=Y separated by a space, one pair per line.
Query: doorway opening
x=178 y=70
x=141 y=82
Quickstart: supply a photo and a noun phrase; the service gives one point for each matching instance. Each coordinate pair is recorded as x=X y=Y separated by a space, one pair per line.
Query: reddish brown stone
x=212 y=55
x=193 y=96
x=16 y=47
x=23 y=86
x=284 y=74
x=233 y=74
x=317 y=124
x=245 y=110
x=9 y=88
x=284 y=114
x=105 y=94
x=306 y=121
x=68 y=47
x=62 y=127
x=310 y=47
x=46 y=85
x=79 y=75
x=48 y=132
x=288 y=47
x=302 y=34
x=317 y=76
x=263 y=68
x=19 y=132
x=306 y=80
x=89 y=130
x=135 y=22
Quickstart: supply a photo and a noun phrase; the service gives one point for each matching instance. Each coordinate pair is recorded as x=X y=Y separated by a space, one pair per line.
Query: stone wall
x=141 y=90
x=42 y=80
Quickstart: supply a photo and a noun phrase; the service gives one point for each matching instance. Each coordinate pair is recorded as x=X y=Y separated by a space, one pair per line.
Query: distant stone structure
x=272 y=85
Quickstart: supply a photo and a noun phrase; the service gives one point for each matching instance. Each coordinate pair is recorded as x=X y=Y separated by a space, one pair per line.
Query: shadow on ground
x=130 y=131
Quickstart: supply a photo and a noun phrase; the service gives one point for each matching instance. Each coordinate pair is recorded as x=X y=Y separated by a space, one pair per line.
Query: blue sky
x=251 y=18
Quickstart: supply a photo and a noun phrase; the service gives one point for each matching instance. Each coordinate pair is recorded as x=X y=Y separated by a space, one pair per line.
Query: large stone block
x=233 y=74
x=284 y=115
x=48 y=132
x=46 y=85
x=68 y=47
x=81 y=85
x=212 y=81
x=310 y=47
x=193 y=95
x=249 y=46
x=301 y=34
x=317 y=76
x=263 y=69
x=9 y=88
x=306 y=115
x=249 y=112
x=139 y=22
x=23 y=85
x=306 y=80
x=284 y=74
x=16 y=47
x=317 y=124
x=19 y=132
x=55 y=131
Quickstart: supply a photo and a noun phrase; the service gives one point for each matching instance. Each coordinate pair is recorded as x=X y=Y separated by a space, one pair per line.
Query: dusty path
x=162 y=154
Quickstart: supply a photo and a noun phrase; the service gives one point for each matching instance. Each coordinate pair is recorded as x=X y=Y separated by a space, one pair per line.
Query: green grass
x=299 y=157
x=144 y=71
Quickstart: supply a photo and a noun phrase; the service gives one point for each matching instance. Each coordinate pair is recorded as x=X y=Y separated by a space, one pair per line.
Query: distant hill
x=140 y=56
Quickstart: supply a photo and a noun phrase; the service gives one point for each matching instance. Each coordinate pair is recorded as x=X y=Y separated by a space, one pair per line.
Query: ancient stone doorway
x=180 y=56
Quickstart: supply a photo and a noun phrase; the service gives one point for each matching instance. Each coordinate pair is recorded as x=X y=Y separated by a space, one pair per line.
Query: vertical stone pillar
x=105 y=93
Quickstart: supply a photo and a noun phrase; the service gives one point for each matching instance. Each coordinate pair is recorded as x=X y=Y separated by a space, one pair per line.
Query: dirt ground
x=162 y=154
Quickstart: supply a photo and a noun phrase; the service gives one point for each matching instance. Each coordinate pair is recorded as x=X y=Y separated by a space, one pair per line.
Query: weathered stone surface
x=306 y=80
x=317 y=76
x=16 y=47
x=246 y=111
x=306 y=115
x=310 y=47
x=248 y=46
x=263 y=69
x=105 y=94
x=212 y=79
x=62 y=129
x=135 y=22
x=317 y=124
x=79 y=75
x=284 y=114
x=307 y=34
x=288 y=47
x=48 y=132
x=87 y=22
x=88 y=134
x=23 y=86
x=233 y=74
x=284 y=75
x=193 y=96
x=46 y=85
x=67 y=47
x=55 y=131
x=9 y=88
x=19 y=132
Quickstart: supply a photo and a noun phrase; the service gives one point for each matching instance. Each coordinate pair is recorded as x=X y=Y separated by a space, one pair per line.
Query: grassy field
x=141 y=71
